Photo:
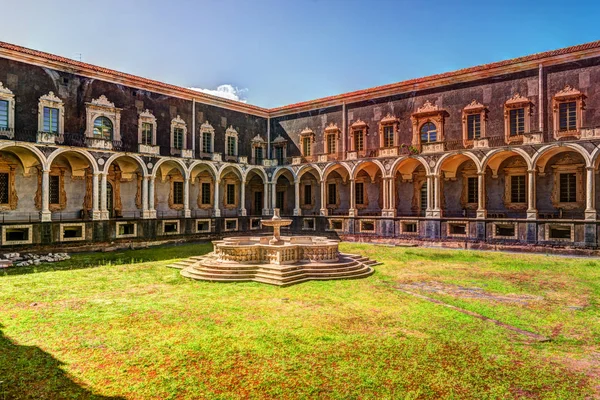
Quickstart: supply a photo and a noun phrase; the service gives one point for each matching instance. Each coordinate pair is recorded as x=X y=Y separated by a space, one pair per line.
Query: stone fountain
x=278 y=260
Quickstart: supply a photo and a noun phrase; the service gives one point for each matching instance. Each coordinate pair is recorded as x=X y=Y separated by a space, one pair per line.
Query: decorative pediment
x=279 y=139
x=359 y=124
x=332 y=128
x=206 y=127
x=568 y=92
x=102 y=101
x=5 y=90
x=147 y=114
x=178 y=121
x=517 y=100
x=50 y=97
x=569 y=159
x=231 y=131
x=474 y=107
x=258 y=139
x=389 y=119
x=428 y=107
x=307 y=132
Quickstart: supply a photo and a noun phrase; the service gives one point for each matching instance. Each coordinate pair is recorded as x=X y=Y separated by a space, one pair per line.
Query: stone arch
x=308 y=167
x=502 y=154
x=282 y=170
x=412 y=161
x=179 y=164
x=543 y=154
x=84 y=153
x=135 y=157
x=226 y=168
x=258 y=171
x=21 y=148
x=200 y=163
x=334 y=166
x=365 y=164
x=459 y=157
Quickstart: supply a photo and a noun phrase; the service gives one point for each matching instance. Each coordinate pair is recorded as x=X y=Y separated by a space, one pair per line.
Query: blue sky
x=282 y=52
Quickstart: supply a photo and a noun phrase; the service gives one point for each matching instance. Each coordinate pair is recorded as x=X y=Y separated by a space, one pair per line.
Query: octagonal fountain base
x=288 y=261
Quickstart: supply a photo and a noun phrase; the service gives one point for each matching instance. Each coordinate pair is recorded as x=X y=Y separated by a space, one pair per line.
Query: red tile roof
x=324 y=101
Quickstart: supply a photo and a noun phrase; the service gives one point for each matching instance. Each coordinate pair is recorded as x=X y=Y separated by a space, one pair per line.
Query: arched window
x=428 y=132
x=103 y=127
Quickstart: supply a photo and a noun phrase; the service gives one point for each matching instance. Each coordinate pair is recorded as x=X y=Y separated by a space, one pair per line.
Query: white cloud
x=226 y=91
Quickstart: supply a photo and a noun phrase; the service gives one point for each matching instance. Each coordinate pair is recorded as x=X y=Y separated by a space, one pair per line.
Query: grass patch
x=121 y=325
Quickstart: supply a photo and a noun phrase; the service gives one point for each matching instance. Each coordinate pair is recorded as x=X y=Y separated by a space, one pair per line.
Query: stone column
x=352 y=209
x=186 y=198
x=297 y=211
x=531 y=206
x=429 y=194
x=436 y=211
x=151 y=206
x=323 y=209
x=96 y=213
x=266 y=210
x=274 y=196
x=103 y=196
x=481 y=211
x=145 y=213
x=46 y=214
x=243 y=199
x=590 y=195
x=392 y=198
x=217 y=206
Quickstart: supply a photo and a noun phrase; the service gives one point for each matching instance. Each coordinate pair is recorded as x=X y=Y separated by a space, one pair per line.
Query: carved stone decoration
x=51 y=101
x=387 y=121
x=474 y=108
x=62 y=194
x=146 y=117
x=205 y=177
x=359 y=127
x=87 y=199
x=568 y=164
x=178 y=123
x=309 y=135
x=138 y=192
x=10 y=169
x=102 y=107
x=418 y=179
x=566 y=95
x=516 y=102
x=515 y=167
x=331 y=131
x=428 y=113
x=469 y=170
x=7 y=95
x=176 y=177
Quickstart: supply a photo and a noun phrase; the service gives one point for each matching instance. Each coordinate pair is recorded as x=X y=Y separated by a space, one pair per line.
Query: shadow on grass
x=117 y=257
x=27 y=372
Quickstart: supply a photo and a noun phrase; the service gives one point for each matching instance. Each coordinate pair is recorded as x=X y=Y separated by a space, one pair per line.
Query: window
x=147 y=133
x=54 y=189
x=205 y=193
x=258 y=155
x=410 y=227
x=230 y=194
x=568 y=188
x=517 y=121
x=206 y=142
x=3 y=114
x=473 y=126
x=177 y=192
x=4 y=188
x=279 y=155
x=359 y=194
x=230 y=146
x=258 y=201
x=423 y=198
x=103 y=128
x=358 y=140
x=307 y=194
x=306 y=146
x=178 y=138
x=517 y=189
x=331 y=142
x=279 y=200
x=50 y=120
x=472 y=186
x=428 y=132
x=567 y=116
x=388 y=136
x=331 y=194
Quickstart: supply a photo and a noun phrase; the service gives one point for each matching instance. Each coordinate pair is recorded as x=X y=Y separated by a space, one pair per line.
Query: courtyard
x=121 y=325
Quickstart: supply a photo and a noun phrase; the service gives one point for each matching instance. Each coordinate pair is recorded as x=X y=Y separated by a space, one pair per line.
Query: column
x=151 y=206
x=96 y=214
x=590 y=194
x=352 y=209
x=531 y=206
x=274 y=196
x=46 y=214
x=481 y=211
x=243 y=199
x=217 y=207
x=429 y=195
x=392 y=198
x=186 y=198
x=266 y=198
x=145 y=213
x=323 y=209
x=103 y=197
x=437 y=211
x=297 y=211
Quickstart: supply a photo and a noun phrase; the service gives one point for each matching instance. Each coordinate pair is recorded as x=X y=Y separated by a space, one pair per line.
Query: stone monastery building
x=505 y=153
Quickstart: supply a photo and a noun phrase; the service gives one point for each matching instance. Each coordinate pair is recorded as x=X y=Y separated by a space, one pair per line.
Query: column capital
x=588 y=168
x=532 y=170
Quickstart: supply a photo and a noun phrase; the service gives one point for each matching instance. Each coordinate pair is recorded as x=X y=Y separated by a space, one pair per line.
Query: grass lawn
x=121 y=325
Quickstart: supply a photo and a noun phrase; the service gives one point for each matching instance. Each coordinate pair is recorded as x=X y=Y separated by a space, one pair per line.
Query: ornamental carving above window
x=474 y=121
x=517 y=118
x=567 y=111
x=388 y=131
x=428 y=113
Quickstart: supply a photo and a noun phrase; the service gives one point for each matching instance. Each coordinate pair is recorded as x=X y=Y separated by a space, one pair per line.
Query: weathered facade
x=505 y=153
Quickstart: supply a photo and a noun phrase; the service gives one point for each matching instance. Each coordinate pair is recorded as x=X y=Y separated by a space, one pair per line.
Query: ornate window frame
x=148 y=118
x=9 y=168
x=568 y=165
x=102 y=107
x=568 y=94
x=172 y=180
x=207 y=128
x=474 y=108
x=515 y=168
x=236 y=192
x=365 y=180
x=7 y=95
x=178 y=123
x=337 y=182
x=205 y=178
x=332 y=130
x=307 y=133
x=359 y=127
x=388 y=120
x=515 y=102
x=279 y=142
x=50 y=100
x=428 y=112
x=258 y=142
x=313 y=186
x=231 y=133
x=469 y=171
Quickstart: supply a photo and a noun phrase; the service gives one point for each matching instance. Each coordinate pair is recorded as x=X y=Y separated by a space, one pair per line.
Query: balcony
x=439 y=147
x=148 y=149
x=103 y=143
x=387 y=152
x=183 y=153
